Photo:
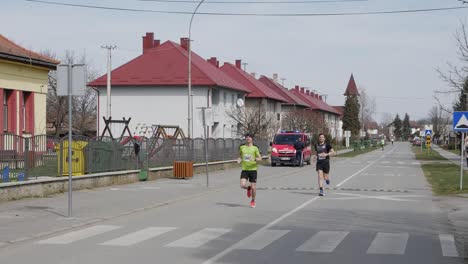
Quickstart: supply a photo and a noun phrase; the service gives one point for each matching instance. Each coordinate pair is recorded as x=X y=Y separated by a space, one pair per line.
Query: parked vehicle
x=282 y=148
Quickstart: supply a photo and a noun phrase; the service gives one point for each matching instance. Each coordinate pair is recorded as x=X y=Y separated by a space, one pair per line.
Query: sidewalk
x=456 y=207
x=450 y=156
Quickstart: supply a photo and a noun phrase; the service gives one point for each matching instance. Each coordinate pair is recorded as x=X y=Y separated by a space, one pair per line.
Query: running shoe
x=252 y=204
x=321 y=193
x=328 y=182
x=249 y=191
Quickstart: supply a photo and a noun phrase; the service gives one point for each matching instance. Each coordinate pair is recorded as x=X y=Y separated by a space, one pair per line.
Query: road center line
x=363 y=169
x=258 y=232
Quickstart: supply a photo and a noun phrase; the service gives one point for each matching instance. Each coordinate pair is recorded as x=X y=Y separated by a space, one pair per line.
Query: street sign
x=460 y=121
x=428 y=132
x=77 y=82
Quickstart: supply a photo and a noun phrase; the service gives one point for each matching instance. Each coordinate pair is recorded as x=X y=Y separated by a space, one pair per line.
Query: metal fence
x=43 y=155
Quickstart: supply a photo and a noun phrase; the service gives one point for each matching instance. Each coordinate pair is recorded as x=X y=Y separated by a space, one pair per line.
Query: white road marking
x=79 y=235
x=199 y=238
x=262 y=239
x=323 y=241
x=274 y=222
x=447 y=242
x=389 y=243
x=139 y=236
x=361 y=170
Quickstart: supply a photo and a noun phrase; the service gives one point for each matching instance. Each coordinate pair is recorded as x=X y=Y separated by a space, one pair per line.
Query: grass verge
x=356 y=152
x=424 y=155
x=445 y=178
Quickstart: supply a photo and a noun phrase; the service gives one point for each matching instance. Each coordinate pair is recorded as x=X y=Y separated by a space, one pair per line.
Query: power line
x=255 y=2
x=252 y=14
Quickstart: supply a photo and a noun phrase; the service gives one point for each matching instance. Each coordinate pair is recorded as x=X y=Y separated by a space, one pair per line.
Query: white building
x=153 y=89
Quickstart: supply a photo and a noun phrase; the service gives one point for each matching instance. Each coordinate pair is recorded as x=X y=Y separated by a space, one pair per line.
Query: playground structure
x=154 y=137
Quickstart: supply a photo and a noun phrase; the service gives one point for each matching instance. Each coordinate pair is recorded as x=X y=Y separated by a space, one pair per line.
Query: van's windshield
x=286 y=139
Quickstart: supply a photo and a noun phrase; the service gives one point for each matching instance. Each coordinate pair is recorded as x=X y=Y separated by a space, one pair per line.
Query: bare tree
x=456 y=76
x=83 y=107
x=368 y=107
x=254 y=120
x=439 y=119
x=306 y=120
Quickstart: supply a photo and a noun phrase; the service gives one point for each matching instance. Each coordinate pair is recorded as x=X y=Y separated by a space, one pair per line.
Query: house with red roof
x=23 y=89
x=316 y=103
x=261 y=96
x=153 y=89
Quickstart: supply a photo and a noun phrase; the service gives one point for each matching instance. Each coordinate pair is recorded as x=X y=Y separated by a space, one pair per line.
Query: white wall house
x=152 y=89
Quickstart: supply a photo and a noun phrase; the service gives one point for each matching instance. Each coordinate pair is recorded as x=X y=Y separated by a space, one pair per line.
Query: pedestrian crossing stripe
x=321 y=241
x=334 y=188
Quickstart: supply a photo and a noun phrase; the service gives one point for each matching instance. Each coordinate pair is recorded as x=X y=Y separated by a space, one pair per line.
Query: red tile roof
x=290 y=97
x=14 y=52
x=340 y=109
x=372 y=125
x=315 y=103
x=257 y=88
x=351 y=89
x=167 y=65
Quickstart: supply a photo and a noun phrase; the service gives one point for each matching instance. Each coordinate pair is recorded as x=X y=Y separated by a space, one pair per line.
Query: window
x=233 y=99
x=23 y=110
x=224 y=97
x=5 y=110
x=215 y=97
x=278 y=117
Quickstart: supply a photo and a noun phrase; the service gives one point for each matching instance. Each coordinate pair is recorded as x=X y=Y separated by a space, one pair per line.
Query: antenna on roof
x=245 y=65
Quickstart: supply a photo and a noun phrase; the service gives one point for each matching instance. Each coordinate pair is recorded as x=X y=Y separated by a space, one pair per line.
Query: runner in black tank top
x=324 y=151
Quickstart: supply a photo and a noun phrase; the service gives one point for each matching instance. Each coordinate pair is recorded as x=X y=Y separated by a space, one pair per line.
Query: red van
x=282 y=148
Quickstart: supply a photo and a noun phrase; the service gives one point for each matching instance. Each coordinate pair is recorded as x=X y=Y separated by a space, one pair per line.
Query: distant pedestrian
x=324 y=151
x=299 y=147
x=249 y=155
x=392 y=140
x=382 y=142
x=466 y=150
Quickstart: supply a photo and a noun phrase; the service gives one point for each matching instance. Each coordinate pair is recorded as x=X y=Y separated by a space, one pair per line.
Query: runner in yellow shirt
x=249 y=155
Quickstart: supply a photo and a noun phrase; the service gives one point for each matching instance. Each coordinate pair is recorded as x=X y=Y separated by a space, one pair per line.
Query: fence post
x=26 y=159
x=61 y=158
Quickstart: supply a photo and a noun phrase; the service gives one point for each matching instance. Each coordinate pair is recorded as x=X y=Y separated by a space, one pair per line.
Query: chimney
x=275 y=77
x=184 y=43
x=148 y=41
x=238 y=64
x=320 y=97
x=213 y=61
x=253 y=74
x=302 y=89
x=307 y=92
x=156 y=43
x=296 y=87
x=317 y=96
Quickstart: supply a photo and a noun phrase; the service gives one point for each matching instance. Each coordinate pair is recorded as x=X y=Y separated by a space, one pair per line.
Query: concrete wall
x=43 y=188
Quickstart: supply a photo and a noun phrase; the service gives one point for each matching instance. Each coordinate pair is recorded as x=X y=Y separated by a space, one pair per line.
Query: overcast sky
x=394 y=56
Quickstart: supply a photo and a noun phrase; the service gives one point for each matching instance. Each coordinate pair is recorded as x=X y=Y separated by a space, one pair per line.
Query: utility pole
x=109 y=68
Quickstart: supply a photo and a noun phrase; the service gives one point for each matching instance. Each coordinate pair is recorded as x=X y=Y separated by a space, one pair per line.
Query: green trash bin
x=143 y=175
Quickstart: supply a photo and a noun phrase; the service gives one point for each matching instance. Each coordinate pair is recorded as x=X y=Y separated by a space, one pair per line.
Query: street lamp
x=190 y=96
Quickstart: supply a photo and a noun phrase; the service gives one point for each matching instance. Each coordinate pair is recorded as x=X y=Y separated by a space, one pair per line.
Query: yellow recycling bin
x=78 y=157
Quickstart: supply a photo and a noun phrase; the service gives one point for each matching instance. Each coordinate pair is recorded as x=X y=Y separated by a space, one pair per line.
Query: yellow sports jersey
x=248 y=155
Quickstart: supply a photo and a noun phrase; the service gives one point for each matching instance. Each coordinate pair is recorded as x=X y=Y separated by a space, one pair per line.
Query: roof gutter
x=30 y=61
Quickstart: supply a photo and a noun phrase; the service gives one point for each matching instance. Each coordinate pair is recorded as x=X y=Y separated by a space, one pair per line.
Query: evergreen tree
x=398 y=127
x=460 y=104
x=351 y=116
x=406 y=128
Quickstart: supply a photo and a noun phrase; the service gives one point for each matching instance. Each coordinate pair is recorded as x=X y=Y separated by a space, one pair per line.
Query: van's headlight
x=275 y=150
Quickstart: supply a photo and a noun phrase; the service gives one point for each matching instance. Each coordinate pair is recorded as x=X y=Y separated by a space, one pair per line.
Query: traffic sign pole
x=461 y=161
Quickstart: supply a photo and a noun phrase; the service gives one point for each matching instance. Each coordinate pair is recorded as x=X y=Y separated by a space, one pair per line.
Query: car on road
x=282 y=148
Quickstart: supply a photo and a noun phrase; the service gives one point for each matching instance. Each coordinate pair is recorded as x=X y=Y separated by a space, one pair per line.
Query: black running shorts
x=251 y=176
x=323 y=165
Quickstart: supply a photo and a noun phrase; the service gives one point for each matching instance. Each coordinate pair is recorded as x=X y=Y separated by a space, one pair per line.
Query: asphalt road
x=377 y=209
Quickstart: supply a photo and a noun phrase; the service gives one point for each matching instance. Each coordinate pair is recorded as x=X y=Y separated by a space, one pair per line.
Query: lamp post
x=190 y=96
